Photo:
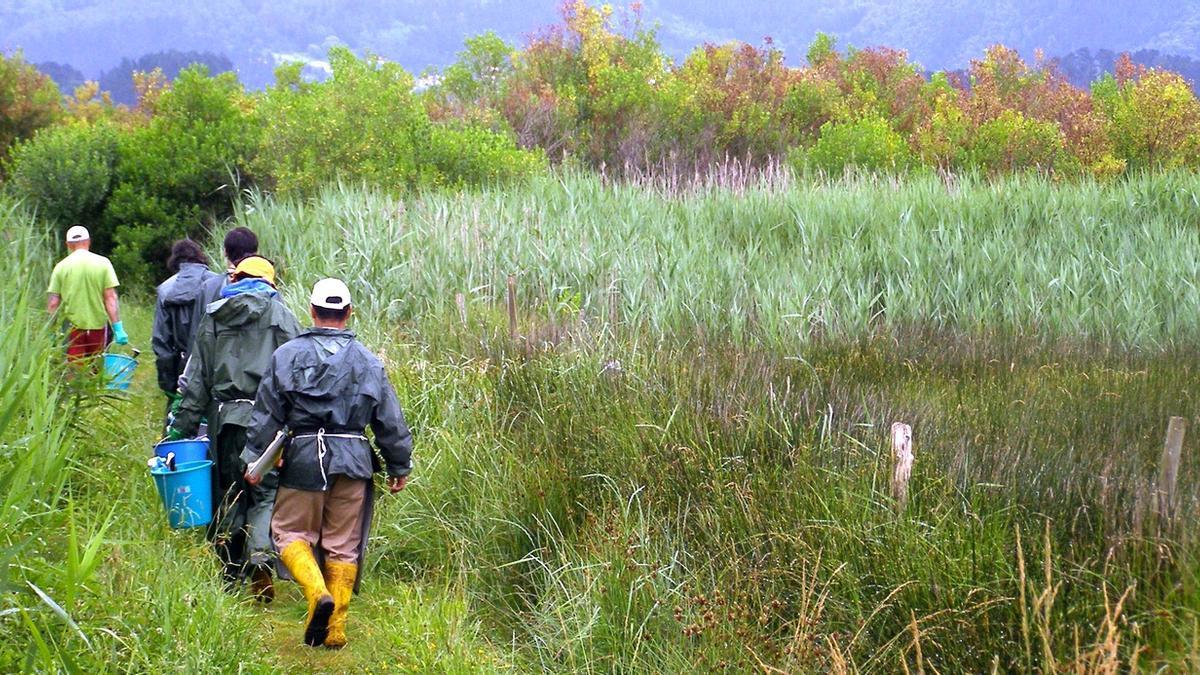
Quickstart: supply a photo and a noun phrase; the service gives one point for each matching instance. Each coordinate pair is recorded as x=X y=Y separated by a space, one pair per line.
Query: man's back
x=232 y=351
x=80 y=280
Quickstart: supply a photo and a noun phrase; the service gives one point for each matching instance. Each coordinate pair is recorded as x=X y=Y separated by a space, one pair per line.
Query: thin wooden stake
x=614 y=305
x=461 y=302
x=903 y=456
x=512 y=306
x=1168 y=476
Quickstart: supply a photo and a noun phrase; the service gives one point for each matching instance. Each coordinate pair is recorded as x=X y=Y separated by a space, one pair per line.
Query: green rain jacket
x=231 y=353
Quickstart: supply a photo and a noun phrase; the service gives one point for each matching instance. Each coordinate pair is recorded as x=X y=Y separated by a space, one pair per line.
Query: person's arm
x=196 y=394
x=392 y=436
x=268 y=418
x=112 y=306
x=55 y=296
x=166 y=359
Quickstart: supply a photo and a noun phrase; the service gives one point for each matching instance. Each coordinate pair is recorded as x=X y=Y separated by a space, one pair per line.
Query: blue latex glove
x=119 y=335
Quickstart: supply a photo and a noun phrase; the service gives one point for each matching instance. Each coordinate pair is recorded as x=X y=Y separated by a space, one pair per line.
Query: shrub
x=29 y=100
x=66 y=171
x=185 y=164
x=1154 y=119
x=870 y=144
x=1013 y=142
x=365 y=124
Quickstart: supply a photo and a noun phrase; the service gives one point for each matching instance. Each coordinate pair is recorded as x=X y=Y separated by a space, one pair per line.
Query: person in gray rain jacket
x=231 y=352
x=177 y=312
x=325 y=388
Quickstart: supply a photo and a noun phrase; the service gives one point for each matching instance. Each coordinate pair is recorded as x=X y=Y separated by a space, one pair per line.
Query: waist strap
x=321 y=435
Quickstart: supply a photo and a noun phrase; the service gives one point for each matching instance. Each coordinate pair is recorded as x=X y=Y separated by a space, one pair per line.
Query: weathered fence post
x=903 y=456
x=1168 y=477
x=460 y=301
x=614 y=306
x=512 y=306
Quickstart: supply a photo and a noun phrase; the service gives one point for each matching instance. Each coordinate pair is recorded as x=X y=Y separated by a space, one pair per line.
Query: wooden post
x=1168 y=477
x=614 y=305
x=903 y=456
x=461 y=302
x=512 y=306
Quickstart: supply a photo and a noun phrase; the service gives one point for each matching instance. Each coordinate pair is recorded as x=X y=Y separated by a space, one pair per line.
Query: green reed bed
x=1114 y=263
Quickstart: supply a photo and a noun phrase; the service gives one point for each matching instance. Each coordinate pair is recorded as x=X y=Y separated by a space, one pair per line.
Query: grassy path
x=395 y=626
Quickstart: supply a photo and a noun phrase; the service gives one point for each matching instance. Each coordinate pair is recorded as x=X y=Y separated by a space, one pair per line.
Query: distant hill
x=94 y=36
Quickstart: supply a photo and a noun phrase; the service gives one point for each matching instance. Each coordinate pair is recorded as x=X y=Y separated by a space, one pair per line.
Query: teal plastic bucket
x=118 y=371
x=186 y=493
x=191 y=450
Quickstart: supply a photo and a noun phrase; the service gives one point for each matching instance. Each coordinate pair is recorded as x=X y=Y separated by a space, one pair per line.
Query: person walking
x=231 y=352
x=83 y=287
x=325 y=388
x=240 y=243
x=177 y=313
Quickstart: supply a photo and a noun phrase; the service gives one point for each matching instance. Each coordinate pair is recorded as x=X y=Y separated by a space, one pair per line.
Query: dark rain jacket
x=231 y=353
x=211 y=289
x=177 y=313
x=325 y=389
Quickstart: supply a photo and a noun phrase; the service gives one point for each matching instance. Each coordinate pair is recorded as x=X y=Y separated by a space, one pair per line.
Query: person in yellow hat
x=232 y=349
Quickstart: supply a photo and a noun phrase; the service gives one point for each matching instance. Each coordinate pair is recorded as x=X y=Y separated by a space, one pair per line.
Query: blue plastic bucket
x=186 y=493
x=190 y=450
x=118 y=371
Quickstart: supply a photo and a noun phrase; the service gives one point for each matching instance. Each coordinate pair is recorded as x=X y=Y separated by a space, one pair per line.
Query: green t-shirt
x=80 y=279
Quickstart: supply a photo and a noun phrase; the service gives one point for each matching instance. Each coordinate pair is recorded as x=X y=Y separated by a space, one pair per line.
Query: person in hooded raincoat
x=231 y=352
x=325 y=388
x=177 y=313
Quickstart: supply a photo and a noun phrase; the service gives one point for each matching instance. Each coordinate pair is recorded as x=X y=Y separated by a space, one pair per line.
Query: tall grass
x=90 y=578
x=1113 y=263
x=696 y=476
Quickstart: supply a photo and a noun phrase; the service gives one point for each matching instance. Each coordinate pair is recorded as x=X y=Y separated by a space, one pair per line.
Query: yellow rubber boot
x=339 y=577
x=298 y=557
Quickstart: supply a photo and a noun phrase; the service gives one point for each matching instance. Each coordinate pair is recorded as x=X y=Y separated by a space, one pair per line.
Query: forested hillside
x=95 y=35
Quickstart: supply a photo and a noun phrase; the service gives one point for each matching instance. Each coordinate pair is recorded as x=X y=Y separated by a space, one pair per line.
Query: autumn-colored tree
x=29 y=100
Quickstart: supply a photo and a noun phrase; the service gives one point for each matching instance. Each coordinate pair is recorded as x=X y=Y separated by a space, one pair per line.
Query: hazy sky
x=93 y=35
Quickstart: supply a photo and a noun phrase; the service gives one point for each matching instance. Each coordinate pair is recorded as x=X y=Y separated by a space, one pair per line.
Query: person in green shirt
x=83 y=288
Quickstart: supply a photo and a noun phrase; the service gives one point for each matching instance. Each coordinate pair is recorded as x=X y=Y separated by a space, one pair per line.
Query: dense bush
x=66 y=171
x=365 y=124
x=185 y=164
x=870 y=144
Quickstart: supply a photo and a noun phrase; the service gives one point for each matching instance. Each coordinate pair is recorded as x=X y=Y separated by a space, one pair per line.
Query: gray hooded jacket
x=177 y=312
x=326 y=388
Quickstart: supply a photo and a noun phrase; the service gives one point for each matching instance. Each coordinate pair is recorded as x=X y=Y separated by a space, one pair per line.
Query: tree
x=29 y=100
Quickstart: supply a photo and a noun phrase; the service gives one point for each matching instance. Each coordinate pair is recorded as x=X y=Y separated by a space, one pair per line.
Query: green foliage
x=481 y=70
x=184 y=165
x=365 y=124
x=870 y=144
x=1012 y=142
x=66 y=171
x=29 y=100
x=1153 y=120
x=822 y=49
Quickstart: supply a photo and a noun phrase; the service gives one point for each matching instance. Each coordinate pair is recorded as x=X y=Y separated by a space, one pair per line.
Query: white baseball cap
x=330 y=294
x=77 y=233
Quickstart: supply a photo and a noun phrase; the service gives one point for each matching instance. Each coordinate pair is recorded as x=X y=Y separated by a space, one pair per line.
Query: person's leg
x=296 y=526
x=228 y=530
x=341 y=537
x=260 y=552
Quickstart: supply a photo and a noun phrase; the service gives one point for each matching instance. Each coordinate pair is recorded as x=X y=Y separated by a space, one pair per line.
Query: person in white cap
x=83 y=287
x=325 y=388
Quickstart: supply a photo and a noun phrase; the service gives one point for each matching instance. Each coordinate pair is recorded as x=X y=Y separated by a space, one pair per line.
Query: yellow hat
x=256 y=266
